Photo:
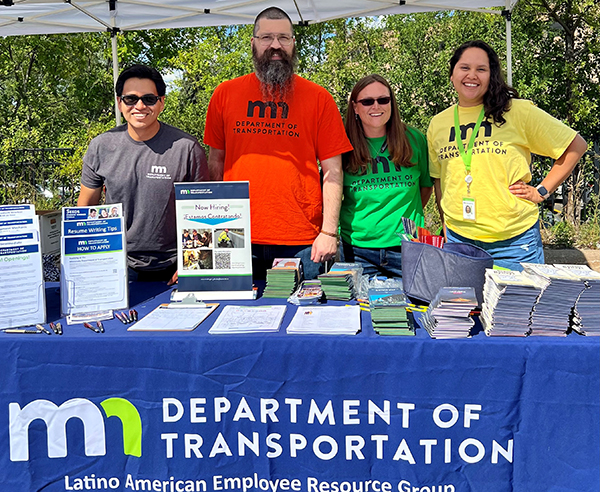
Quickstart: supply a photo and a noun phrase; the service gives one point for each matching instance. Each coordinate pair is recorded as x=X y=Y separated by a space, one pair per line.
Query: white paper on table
x=173 y=317
x=326 y=320
x=248 y=319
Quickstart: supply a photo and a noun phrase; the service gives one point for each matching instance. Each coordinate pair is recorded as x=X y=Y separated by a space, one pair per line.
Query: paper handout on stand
x=214 y=252
x=22 y=296
x=93 y=260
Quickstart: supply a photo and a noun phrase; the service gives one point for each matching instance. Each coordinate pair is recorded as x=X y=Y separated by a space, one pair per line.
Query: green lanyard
x=466 y=156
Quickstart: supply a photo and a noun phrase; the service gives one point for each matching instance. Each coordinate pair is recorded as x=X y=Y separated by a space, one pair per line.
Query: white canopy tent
x=21 y=17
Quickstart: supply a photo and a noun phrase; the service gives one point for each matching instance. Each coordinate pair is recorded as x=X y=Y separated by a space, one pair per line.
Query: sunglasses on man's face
x=369 y=101
x=147 y=99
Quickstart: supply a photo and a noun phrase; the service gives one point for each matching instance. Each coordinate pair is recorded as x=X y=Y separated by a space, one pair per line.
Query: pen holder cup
x=426 y=269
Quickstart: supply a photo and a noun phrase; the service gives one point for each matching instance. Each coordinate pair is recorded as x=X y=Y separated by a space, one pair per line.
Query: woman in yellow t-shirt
x=480 y=151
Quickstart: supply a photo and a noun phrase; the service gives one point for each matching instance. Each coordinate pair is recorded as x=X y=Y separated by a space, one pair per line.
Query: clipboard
x=176 y=316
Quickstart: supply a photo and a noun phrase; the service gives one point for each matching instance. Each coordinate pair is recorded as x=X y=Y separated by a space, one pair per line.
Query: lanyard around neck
x=374 y=152
x=466 y=156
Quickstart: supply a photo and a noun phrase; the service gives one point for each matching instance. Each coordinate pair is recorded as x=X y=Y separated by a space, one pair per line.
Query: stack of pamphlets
x=283 y=277
x=341 y=283
x=560 y=290
x=310 y=292
x=448 y=314
x=326 y=320
x=508 y=298
x=248 y=319
x=586 y=314
x=388 y=303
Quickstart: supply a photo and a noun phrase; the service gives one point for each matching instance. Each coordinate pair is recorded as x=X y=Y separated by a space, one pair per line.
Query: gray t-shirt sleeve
x=199 y=164
x=89 y=175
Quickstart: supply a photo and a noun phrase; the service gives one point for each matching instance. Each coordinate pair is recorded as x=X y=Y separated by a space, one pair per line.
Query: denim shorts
x=375 y=261
x=526 y=247
x=264 y=254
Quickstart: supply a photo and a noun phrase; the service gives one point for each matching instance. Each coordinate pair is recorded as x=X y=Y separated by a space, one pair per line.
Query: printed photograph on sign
x=197 y=259
x=230 y=238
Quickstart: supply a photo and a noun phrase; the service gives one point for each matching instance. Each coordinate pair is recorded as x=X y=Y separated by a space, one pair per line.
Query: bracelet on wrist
x=330 y=234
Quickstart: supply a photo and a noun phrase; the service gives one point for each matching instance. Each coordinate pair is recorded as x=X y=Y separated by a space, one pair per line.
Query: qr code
x=222 y=260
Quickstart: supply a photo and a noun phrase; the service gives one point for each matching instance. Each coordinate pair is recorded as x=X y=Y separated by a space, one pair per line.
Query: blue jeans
x=382 y=261
x=526 y=247
x=264 y=254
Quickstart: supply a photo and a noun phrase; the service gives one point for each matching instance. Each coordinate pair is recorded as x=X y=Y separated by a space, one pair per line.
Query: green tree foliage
x=50 y=87
x=57 y=90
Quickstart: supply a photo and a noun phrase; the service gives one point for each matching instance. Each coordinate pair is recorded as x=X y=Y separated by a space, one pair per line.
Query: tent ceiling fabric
x=60 y=16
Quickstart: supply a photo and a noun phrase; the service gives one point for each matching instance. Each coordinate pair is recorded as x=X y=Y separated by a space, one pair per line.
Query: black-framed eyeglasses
x=369 y=101
x=267 y=39
x=147 y=99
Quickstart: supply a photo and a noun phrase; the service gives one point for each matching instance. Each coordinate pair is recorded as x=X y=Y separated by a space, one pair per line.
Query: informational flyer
x=214 y=248
x=22 y=296
x=93 y=260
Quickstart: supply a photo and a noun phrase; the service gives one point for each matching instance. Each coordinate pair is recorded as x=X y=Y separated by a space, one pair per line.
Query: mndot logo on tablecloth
x=56 y=418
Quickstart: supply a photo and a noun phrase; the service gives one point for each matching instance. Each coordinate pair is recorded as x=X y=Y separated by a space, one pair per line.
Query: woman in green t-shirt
x=386 y=177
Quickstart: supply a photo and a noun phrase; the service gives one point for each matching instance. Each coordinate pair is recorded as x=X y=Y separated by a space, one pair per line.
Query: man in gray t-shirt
x=138 y=163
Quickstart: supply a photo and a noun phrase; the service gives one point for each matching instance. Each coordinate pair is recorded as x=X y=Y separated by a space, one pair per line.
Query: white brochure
x=326 y=320
x=93 y=259
x=22 y=296
x=248 y=319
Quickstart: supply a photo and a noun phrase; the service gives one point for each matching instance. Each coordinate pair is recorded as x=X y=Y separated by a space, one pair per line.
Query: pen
x=43 y=330
x=135 y=315
x=90 y=327
x=17 y=330
x=120 y=318
x=59 y=328
x=100 y=326
x=131 y=319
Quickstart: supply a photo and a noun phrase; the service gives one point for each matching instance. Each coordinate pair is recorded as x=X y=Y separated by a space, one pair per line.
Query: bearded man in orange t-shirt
x=273 y=129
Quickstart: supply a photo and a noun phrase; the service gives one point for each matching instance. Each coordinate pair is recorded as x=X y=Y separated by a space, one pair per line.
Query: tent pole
x=508 y=18
x=115 y=60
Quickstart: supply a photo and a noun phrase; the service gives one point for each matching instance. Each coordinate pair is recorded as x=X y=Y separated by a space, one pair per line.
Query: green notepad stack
x=283 y=278
x=341 y=282
x=388 y=311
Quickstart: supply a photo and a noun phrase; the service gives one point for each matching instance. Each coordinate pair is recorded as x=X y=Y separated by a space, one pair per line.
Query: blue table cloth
x=192 y=411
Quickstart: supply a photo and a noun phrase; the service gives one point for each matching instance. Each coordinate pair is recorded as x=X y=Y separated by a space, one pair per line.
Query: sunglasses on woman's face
x=147 y=99
x=369 y=101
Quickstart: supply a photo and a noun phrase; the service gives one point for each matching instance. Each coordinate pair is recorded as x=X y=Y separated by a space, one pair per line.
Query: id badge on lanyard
x=468 y=202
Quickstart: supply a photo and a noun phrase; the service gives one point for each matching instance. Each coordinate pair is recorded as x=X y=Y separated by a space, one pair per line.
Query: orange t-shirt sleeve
x=214 y=130
x=331 y=136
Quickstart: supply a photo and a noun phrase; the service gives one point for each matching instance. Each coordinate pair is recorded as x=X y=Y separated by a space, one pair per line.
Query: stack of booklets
x=341 y=282
x=552 y=312
x=326 y=320
x=586 y=314
x=508 y=298
x=309 y=292
x=283 y=277
x=388 y=310
x=448 y=315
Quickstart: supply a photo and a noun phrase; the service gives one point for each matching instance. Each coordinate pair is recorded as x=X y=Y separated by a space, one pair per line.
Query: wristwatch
x=543 y=191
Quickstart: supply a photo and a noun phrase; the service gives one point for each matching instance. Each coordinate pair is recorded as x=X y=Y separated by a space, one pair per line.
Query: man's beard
x=275 y=76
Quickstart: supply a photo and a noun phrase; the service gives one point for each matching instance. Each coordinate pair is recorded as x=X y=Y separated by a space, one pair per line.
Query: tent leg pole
x=115 y=60
x=509 y=47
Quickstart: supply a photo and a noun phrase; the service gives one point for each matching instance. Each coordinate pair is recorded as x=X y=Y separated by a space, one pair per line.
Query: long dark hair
x=496 y=101
x=399 y=148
